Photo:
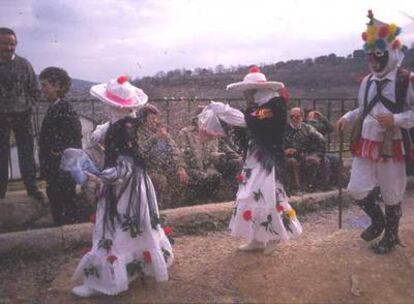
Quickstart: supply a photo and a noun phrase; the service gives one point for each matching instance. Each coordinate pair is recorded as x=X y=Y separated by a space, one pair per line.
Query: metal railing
x=177 y=113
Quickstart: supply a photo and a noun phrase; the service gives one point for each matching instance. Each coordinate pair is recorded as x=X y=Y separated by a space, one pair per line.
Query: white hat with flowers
x=119 y=93
x=255 y=80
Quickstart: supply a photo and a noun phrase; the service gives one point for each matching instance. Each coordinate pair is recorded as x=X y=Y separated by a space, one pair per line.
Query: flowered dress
x=128 y=240
x=262 y=210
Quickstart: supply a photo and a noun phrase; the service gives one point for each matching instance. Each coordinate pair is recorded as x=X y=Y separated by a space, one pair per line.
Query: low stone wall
x=18 y=210
x=186 y=220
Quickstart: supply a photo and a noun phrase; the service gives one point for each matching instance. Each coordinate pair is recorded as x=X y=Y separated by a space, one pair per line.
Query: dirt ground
x=324 y=265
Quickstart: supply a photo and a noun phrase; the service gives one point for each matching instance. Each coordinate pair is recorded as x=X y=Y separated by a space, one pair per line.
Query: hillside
x=79 y=89
x=324 y=76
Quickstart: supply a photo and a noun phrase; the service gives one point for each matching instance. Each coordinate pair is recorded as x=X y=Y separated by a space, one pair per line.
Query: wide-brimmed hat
x=255 y=80
x=119 y=93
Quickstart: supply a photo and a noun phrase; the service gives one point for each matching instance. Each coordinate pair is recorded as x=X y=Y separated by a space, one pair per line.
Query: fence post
x=342 y=107
x=328 y=117
x=10 y=165
x=341 y=148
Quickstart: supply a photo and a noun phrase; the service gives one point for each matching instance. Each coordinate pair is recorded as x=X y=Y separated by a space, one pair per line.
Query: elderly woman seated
x=170 y=174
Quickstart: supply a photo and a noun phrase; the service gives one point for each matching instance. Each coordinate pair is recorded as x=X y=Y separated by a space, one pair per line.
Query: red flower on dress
x=86 y=250
x=111 y=258
x=279 y=208
x=168 y=230
x=254 y=69
x=284 y=93
x=247 y=215
x=122 y=79
x=92 y=218
x=240 y=178
x=147 y=256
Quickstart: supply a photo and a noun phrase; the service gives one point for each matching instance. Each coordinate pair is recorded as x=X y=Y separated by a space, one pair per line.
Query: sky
x=98 y=40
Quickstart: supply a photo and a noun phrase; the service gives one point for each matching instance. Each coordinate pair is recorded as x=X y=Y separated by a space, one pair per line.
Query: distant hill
x=325 y=76
x=80 y=89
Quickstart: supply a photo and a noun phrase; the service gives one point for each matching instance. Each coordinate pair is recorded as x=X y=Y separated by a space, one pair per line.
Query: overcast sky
x=100 y=39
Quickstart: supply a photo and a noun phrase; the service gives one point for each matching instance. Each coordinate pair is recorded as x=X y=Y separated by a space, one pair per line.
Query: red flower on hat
x=247 y=215
x=111 y=258
x=122 y=79
x=254 y=69
x=279 y=208
x=147 y=256
x=396 y=44
x=284 y=93
x=383 y=31
x=364 y=36
x=168 y=230
x=92 y=218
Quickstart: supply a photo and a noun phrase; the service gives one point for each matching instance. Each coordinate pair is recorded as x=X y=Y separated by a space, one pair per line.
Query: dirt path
x=315 y=268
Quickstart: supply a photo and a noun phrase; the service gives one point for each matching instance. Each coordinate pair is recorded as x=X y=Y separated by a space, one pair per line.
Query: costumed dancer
x=128 y=240
x=379 y=142
x=262 y=214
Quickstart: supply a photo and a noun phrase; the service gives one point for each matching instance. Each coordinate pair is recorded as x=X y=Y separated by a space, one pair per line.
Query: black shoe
x=385 y=245
x=37 y=195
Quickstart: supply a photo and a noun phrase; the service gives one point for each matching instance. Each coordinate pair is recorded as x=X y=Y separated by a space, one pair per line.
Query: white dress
x=135 y=243
x=261 y=210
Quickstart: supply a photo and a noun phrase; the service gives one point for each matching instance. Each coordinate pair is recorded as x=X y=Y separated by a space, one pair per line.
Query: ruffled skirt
x=123 y=252
x=262 y=210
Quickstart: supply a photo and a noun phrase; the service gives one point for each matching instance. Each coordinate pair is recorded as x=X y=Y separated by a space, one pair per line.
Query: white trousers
x=389 y=175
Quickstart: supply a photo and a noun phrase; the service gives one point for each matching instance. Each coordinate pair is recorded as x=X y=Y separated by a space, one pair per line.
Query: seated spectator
x=319 y=122
x=167 y=167
x=325 y=127
x=209 y=164
x=229 y=162
x=305 y=153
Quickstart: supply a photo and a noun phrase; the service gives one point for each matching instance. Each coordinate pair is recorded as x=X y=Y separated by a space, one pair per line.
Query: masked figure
x=379 y=143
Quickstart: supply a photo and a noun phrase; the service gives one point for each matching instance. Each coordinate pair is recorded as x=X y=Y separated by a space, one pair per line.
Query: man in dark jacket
x=18 y=92
x=61 y=129
x=305 y=152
